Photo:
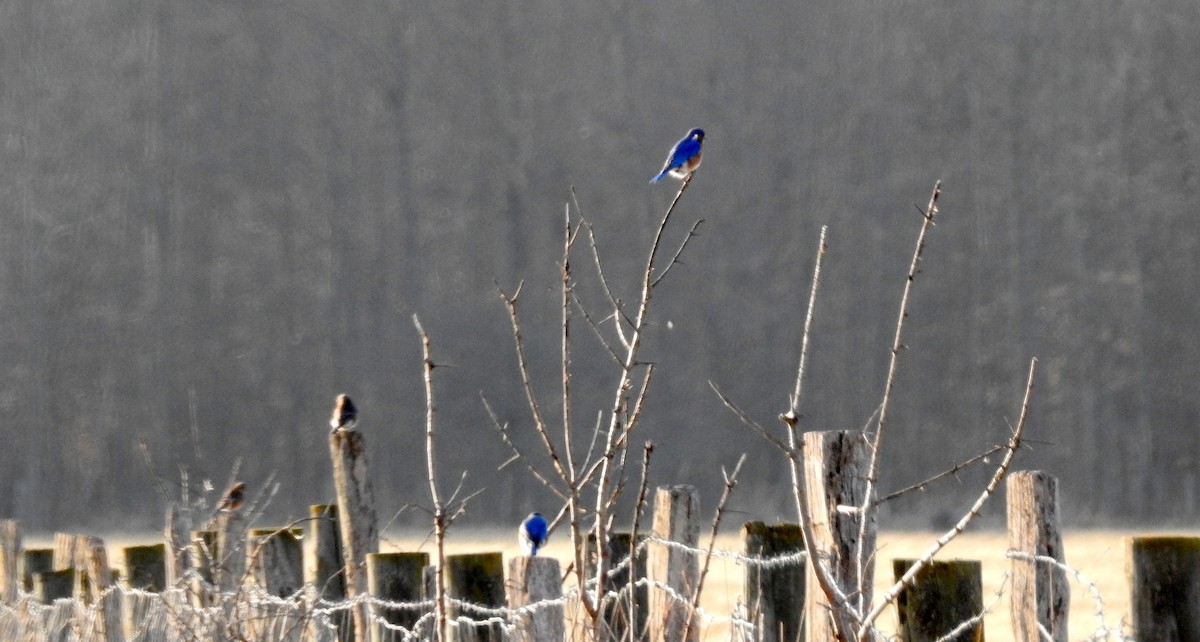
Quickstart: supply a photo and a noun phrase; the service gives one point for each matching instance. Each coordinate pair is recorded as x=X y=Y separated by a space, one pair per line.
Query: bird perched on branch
x=345 y=415
x=684 y=157
x=533 y=533
x=234 y=498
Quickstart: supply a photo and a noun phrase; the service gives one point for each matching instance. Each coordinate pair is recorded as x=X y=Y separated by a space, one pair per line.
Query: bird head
x=697 y=134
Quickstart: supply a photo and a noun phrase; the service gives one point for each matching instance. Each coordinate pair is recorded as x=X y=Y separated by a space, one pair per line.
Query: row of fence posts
x=1164 y=572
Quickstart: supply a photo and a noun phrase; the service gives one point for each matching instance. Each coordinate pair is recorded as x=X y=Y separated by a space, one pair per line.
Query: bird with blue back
x=684 y=157
x=533 y=533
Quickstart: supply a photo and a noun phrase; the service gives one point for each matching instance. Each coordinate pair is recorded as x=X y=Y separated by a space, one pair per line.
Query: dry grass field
x=1097 y=554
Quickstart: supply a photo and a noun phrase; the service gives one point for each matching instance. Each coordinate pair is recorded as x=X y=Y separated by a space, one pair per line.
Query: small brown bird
x=234 y=497
x=345 y=415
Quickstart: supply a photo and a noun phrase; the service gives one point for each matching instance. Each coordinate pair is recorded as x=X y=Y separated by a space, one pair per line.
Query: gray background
x=219 y=214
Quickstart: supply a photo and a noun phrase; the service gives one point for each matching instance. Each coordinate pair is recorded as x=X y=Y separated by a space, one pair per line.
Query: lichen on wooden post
x=943 y=595
x=1164 y=584
x=1041 y=594
x=774 y=595
x=676 y=519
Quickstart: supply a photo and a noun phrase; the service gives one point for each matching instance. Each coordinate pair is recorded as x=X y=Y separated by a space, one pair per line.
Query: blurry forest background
x=218 y=214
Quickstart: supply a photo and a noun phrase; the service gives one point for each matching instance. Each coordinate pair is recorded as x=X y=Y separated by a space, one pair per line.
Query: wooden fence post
x=1041 y=594
x=229 y=561
x=1164 y=584
x=145 y=567
x=774 y=595
x=835 y=473
x=35 y=560
x=274 y=560
x=396 y=577
x=944 y=594
x=628 y=618
x=175 y=535
x=532 y=580
x=474 y=579
x=356 y=516
x=203 y=554
x=323 y=552
x=53 y=585
x=10 y=560
x=676 y=519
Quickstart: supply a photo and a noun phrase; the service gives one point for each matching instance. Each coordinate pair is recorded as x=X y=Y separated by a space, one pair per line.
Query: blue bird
x=684 y=157
x=533 y=533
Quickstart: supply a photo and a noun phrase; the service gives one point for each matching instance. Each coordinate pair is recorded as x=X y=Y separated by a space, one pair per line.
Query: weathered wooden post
x=627 y=618
x=323 y=552
x=229 y=562
x=145 y=570
x=1164 y=584
x=10 y=560
x=774 y=594
x=356 y=514
x=1041 y=594
x=275 y=560
x=35 y=560
x=475 y=579
x=175 y=535
x=145 y=567
x=203 y=554
x=943 y=595
x=532 y=580
x=395 y=577
x=676 y=519
x=54 y=585
x=835 y=475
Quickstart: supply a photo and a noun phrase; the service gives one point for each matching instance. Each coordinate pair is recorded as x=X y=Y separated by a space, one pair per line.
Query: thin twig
x=953 y=470
x=682 y=246
x=793 y=412
x=730 y=482
x=439 y=509
x=517 y=454
x=745 y=418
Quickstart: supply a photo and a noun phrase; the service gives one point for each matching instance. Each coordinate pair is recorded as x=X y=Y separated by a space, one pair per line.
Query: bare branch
x=675 y=259
x=595 y=328
x=440 y=521
x=1014 y=444
x=793 y=413
x=517 y=454
x=749 y=423
x=897 y=345
x=953 y=470
x=527 y=385
x=730 y=482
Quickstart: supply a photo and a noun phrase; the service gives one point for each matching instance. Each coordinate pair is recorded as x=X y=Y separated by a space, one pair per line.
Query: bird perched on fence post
x=234 y=498
x=533 y=533
x=345 y=415
x=684 y=157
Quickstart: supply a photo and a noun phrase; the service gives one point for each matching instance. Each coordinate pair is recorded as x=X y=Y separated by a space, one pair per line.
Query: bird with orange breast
x=234 y=498
x=345 y=415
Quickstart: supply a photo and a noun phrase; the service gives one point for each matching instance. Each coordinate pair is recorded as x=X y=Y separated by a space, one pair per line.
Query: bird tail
x=660 y=176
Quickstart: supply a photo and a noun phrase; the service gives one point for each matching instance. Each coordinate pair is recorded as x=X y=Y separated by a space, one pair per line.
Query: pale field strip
x=1098 y=555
